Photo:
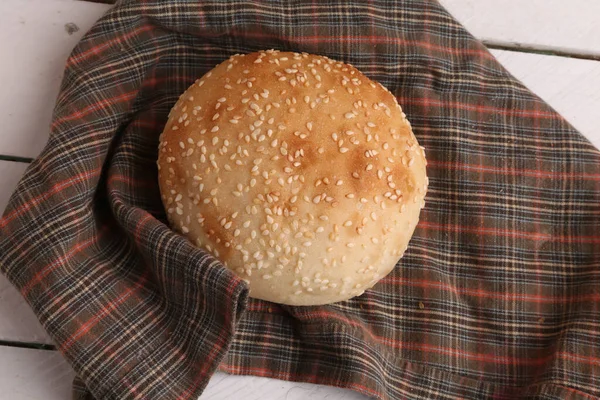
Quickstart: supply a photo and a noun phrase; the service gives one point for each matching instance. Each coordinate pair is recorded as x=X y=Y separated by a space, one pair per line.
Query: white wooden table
x=35 y=44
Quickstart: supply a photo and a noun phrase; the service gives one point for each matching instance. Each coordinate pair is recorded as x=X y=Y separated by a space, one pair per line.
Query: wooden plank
x=27 y=374
x=571 y=86
x=18 y=323
x=566 y=25
x=36 y=43
x=229 y=387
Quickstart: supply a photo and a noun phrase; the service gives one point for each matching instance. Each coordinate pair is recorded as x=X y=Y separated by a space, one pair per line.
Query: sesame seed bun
x=298 y=172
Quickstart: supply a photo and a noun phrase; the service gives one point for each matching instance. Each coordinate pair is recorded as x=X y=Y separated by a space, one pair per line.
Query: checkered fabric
x=498 y=295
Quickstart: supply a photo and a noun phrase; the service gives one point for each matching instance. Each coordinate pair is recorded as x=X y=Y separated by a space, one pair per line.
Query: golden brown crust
x=296 y=171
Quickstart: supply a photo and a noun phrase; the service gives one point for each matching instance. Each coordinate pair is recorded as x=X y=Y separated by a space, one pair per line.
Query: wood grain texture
x=35 y=44
x=18 y=323
x=568 y=25
x=27 y=374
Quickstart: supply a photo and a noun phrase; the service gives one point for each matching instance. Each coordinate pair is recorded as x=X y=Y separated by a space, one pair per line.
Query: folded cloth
x=498 y=295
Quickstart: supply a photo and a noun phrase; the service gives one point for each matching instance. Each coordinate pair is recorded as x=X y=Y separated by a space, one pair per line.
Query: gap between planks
x=540 y=49
x=7 y=157
x=27 y=345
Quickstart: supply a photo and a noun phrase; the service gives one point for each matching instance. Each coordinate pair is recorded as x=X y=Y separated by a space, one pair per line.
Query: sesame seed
x=349 y=115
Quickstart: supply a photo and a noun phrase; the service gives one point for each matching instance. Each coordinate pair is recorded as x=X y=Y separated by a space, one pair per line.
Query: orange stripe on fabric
x=106 y=310
x=101 y=48
x=54 y=189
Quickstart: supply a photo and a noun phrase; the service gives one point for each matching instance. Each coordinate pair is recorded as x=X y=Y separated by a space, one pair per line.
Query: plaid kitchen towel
x=498 y=295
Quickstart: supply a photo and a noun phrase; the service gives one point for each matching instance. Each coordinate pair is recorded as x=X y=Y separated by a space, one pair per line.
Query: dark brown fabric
x=498 y=295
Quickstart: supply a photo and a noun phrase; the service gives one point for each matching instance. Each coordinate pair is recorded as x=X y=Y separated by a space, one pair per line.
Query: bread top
x=297 y=172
